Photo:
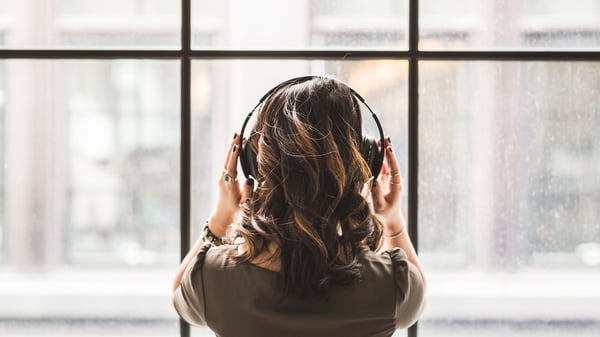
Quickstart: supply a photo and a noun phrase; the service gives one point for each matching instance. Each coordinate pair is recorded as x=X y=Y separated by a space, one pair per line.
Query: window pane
x=220 y=104
x=300 y=23
x=531 y=24
x=90 y=23
x=91 y=188
x=508 y=193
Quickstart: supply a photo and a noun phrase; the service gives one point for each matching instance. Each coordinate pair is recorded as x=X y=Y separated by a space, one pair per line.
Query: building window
x=502 y=120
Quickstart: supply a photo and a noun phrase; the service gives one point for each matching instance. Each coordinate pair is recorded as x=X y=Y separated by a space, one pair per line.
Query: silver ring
x=395 y=175
x=228 y=179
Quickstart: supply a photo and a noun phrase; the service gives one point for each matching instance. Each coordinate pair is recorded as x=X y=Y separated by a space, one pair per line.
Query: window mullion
x=413 y=130
x=185 y=154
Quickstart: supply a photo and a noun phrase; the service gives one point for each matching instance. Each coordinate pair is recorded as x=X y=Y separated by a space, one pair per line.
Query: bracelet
x=208 y=236
x=394 y=235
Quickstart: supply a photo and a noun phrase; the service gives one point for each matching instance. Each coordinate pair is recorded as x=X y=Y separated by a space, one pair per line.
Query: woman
x=320 y=248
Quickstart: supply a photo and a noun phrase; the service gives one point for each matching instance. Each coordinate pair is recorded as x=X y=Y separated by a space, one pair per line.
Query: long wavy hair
x=311 y=175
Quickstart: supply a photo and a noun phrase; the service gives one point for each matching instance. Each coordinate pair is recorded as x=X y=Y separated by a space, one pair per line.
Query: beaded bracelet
x=208 y=236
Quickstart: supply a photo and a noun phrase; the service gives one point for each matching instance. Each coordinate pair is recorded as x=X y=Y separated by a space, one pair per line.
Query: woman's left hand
x=230 y=193
x=387 y=193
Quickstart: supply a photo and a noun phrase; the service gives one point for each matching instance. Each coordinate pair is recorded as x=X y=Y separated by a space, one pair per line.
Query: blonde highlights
x=311 y=172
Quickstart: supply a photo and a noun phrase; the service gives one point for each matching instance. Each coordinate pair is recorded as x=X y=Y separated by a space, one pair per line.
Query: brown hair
x=311 y=175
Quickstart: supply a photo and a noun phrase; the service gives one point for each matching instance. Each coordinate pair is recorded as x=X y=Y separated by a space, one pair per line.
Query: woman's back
x=242 y=299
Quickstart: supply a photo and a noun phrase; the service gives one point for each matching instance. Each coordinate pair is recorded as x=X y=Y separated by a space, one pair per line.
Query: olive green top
x=244 y=300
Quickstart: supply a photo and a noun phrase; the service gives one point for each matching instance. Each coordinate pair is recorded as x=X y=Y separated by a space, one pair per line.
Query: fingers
x=392 y=168
x=230 y=193
x=228 y=154
x=228 y=180
x=232 y=157
x=390 y=158
x=383 y=175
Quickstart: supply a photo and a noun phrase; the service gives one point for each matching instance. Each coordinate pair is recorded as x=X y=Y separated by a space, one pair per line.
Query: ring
x=391 y=174
x=395 y=175
x=228 y=179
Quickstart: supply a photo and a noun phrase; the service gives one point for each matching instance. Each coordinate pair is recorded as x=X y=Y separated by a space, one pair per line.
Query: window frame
x=185 y=54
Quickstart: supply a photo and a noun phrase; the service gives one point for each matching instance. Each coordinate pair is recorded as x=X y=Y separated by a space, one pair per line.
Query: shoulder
x=406 y=275
x=409 y=284
x=218 y=257
x=393 y=261
x=388 y=266
x=400 y=269
x=208 y=258
x=220 y=266
x=188 y=298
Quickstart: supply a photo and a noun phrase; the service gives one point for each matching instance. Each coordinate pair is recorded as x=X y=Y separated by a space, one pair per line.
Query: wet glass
x=90 y=180
x=89 y=154
x=295 y=24
x=506 y=24
x=508 y=195
x=104 y=24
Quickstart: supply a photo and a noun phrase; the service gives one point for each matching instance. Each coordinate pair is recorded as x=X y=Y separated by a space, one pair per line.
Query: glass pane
x=223 y=92
x=491 y=24
x=91 y=188
x=509 y=192
x=293 y=24
x=90 y=24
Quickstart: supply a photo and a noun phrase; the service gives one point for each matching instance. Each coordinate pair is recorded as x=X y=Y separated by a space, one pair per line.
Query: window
x=114 y=116
x=90 y=193
x=299 y=24
x=107 y=24
x=495 y=24
x=507 y=155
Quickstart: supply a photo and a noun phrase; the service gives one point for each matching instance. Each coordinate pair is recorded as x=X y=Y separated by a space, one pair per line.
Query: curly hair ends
x=311 y=174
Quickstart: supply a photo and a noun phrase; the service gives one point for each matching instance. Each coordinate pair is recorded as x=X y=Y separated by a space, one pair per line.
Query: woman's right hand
x=387 y=194
x=230 y=194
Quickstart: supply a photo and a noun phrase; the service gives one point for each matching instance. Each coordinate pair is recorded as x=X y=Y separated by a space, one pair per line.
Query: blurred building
x=509 y=157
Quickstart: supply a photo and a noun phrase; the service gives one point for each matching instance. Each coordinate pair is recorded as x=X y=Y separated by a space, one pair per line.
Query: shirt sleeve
x=410 y=289
x=189 y=296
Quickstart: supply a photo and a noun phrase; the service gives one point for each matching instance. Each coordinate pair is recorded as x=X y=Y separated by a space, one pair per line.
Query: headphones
x=370 y=151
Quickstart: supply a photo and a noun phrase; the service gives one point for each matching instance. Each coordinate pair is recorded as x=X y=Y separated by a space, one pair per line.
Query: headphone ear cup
x=248 y=161
x=371 y=154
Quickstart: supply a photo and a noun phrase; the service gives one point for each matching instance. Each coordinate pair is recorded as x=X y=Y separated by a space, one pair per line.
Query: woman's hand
x=387 y=201
x=387 y=193
x=230 y=193
x=228 y=205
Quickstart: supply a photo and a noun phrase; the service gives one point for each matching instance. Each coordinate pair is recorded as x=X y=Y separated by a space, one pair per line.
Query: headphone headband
x=301 y=79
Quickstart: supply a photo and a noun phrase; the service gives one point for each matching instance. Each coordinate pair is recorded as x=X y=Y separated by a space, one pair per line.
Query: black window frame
x=185 y=54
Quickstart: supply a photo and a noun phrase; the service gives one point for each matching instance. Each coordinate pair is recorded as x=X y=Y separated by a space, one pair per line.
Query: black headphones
x=371 y=152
